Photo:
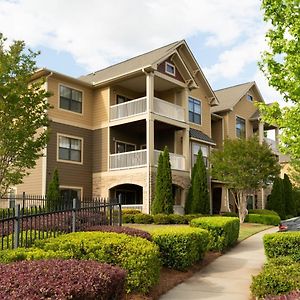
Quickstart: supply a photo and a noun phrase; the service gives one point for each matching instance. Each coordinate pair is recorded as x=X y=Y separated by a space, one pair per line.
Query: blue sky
x=80 y=36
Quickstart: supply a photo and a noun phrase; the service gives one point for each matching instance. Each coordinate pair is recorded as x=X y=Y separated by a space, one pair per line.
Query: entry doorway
x=216 y=200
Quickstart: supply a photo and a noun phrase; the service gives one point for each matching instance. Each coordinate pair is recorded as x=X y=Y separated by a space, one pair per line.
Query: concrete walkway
x=228 y=277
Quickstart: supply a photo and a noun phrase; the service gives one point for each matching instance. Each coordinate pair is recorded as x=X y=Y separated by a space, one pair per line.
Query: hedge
x=181 y=247
x=143 y=219
x=161 y=219
x=224 y=231
x=263 y=219
x=131 y=211
x=61 y=279
x=122 y=229
x=280 y=276
x=282 y=244
x=262 y=212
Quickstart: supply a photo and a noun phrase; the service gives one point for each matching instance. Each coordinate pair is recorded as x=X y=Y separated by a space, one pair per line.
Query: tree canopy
x=244 y=166
x=23 y=113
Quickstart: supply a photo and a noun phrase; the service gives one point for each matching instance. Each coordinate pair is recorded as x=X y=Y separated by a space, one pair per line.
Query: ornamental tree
x=54 y=200
x=244 y=166
x=281 y=65
x=23 y=113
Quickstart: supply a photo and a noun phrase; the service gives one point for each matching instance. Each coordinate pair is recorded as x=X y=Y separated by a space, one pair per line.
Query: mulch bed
x=170 y=278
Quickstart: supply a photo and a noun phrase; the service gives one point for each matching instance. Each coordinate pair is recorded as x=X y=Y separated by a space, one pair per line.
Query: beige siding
x=100 y=150
x=217 y=132
x=100 y=113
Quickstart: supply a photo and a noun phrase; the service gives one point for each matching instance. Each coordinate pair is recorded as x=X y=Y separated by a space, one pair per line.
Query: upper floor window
x=122 y=99
x=240 y=127
x=194 y=110
x=249 y=97
x=70 y=99
x=70 y=149
x=195 y=149
x=124 y=147
x=170 y=69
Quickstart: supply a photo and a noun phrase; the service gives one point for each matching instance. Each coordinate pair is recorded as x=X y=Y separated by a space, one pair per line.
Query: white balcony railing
x=177 y=161
x=168 y=109
x=127 y=109
x=127 y=160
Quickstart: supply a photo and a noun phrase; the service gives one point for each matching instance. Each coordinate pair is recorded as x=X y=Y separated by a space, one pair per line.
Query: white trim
x=189 y=96
x=57 y=149
x=143 y=147
x=167 y=64
x=76 y=89
x=73 y=188
x=238 y=116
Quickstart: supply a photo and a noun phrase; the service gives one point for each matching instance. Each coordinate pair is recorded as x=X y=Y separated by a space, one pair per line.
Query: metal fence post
x=23 y=199
x=17 y=226
x=74 y=216
x=110 y=213
x=120 y=214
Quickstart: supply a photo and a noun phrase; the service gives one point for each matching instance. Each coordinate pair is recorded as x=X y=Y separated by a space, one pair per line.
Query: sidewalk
x=228 y=277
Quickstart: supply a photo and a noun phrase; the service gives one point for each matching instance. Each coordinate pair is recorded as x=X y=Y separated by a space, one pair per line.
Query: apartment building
x=236 y=116
x=108 y=127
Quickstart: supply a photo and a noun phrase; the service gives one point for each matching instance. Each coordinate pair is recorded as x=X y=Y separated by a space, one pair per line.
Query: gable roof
x=230 y=96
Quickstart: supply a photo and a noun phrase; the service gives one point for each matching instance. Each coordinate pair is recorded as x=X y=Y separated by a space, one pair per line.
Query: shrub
x=263 y=219
x=178 y=219
x=128 y=218
x=224 y=231
x=180 y=247
x=121 y=229
x=279 y=276
x=129 y=211
x=143 y=219
x=136 y=255
x=230 y=214
x=190 y=217
x=282 y=244
x=161 y=219
x=263 y=212
x=61 y=279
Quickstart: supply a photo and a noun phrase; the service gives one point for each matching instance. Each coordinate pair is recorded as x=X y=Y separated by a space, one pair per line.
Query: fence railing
x=168 y=109
x=35 y=217
x=126 y=160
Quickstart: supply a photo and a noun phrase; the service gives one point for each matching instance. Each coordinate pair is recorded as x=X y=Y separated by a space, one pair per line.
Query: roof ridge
x=236 y=85
x=144 y=53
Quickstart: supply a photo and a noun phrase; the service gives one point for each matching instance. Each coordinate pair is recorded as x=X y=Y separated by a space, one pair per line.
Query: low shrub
x=282 y=244
x=122 y=229
x=180 y=247
x=224 y=231
x=262 y=212
x=143 y=219
x=136 y=255
x=279 y=276
x=128 y=218
x=262 y=219
x=178 y=219
x=190 y=217
x=129 y=211
x=61 y=279
x=161 y=219
x=230 y=214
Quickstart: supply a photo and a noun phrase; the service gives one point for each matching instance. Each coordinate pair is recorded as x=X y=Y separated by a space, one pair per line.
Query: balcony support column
x=149 y=91
x=186 y=148
x=185 y=104
x=261 y=132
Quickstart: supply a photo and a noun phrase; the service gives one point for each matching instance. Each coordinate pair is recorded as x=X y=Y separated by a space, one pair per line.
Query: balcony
x=139 y=106
x=136 y=159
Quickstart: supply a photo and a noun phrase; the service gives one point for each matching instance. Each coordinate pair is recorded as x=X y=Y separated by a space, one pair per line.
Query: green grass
x=246 y=229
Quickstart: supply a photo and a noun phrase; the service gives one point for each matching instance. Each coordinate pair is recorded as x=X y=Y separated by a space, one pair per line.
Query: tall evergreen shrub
x=276 y=200
x=53 y=193
x=290 y=204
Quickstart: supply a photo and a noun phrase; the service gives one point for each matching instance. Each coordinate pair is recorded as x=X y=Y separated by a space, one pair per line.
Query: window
x=170 y=69
x=68 y=194
x=240 y=128
x=249 y=97
x=70 y=149
x=124 y=147
x=195 y=149
x=122 y=99
x=70 y=99
x=194 y=110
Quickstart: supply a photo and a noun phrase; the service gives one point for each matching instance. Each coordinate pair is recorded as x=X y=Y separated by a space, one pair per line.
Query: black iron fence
x=31 y=217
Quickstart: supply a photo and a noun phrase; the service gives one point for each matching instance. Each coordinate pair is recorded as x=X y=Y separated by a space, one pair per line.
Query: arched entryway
x=128 y=194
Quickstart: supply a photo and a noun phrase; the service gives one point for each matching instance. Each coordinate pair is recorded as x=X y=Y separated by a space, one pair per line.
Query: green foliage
x=230 y=214
x=190 y=217
x=198 y=196
x=296 y=196
x=280 y=64
x=263 y=212
x=131 y=211
x=282 y=244
x=161 y=219
x=142 y=219
x=54 y=200
x=23 y=112
x=178 y=219
x=244 y=166
x=128 y=218
x=163 y=201
x=279 y=276
x=276 y=198
x=263 y=219
x=290 y=204
x=181 y=247
x=224 y=231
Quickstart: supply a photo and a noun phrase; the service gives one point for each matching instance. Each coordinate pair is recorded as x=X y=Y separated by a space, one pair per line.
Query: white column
x=261 y=132
x=150 y=91
x=185 y=104
x=262 y=198
x=186 y=148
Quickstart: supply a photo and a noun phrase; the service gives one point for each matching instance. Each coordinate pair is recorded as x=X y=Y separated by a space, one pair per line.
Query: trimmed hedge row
x=262 y=212
x=181 y=247
x=282 y=244
x=224 y=231
x=279 y=276
x=263 y=219
x=61 y=279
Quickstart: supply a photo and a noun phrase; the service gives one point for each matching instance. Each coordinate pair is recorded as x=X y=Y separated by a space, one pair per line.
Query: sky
x=77 y=37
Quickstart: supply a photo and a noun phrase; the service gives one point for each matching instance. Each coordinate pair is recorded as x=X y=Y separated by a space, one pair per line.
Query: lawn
x=246 y=229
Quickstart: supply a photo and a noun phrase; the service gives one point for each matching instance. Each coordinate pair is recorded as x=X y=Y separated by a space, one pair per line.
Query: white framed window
x=195 y=149
x=240 y=127
x=70 y=99
x=70 y=149
x=170 y=69
x=195 y=111
x=249 y=97
x=121 y=147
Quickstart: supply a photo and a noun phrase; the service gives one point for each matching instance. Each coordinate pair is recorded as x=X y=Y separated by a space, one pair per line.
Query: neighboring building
x=236 y=116
x=109 y=127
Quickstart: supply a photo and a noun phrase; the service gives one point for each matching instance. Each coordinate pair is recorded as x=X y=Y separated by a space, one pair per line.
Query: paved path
x=228 y=277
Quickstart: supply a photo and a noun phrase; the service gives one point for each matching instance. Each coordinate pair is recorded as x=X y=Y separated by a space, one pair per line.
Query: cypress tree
x=157 y=206
x=168 y=199
x=276 y=199
x=189 y=199
x=290 y=205
x=53 y=192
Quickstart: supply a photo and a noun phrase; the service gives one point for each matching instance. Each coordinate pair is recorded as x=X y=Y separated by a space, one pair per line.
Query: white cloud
x=97 y=32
